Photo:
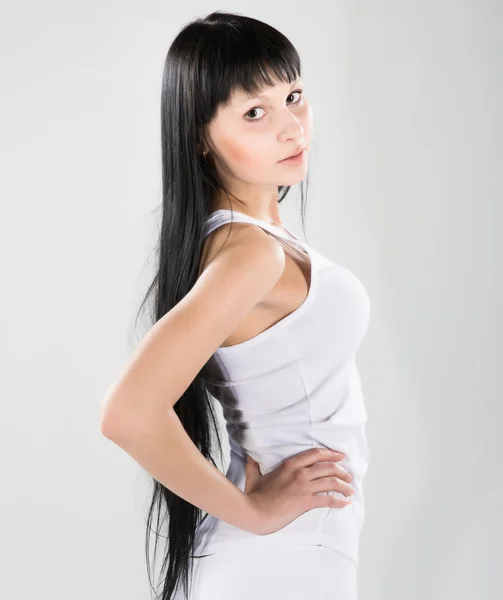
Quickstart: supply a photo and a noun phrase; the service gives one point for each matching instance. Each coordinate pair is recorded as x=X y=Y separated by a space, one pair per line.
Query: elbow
x=107 y=428
x=113 y=424
x=118 y=429
x=108 y=424
x=122 y=425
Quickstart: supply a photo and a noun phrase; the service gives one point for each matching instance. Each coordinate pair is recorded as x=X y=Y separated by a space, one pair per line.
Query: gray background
x=405 y=190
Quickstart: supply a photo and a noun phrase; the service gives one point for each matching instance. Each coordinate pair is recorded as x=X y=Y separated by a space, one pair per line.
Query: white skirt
x=292 y=572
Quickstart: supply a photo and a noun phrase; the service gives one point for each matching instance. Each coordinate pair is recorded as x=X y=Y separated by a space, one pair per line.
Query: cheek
x=242 y=156
x=236 y=153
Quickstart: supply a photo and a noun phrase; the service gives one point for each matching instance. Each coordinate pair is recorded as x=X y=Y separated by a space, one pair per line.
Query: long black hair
x=209 y=59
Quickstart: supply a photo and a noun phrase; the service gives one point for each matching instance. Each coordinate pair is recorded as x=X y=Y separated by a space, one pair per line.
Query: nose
x=292 y=129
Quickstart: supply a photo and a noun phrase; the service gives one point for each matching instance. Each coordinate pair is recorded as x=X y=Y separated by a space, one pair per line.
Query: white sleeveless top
x=292 y=387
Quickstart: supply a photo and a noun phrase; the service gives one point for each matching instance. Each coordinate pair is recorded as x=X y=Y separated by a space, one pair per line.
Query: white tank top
x=292 y=387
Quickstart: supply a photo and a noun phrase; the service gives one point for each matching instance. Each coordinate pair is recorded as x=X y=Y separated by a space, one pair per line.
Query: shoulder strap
x=223 y=215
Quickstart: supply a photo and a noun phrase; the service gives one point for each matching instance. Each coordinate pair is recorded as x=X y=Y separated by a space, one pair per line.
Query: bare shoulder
x=243 y=238
x=241 y=266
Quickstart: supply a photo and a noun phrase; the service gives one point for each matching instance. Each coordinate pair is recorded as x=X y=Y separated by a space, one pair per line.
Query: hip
x=335 y=528
x=295 y=572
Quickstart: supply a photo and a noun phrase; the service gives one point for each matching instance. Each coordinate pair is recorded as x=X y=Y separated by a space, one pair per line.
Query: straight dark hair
x=209 y=59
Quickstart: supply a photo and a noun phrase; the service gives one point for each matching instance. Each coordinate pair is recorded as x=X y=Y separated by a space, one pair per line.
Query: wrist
x=251 y=517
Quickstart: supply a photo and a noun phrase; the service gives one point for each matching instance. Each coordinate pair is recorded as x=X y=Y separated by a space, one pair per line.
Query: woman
x=247 y=313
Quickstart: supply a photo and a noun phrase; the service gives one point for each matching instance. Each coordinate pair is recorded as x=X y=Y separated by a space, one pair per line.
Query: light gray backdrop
x=405 y=190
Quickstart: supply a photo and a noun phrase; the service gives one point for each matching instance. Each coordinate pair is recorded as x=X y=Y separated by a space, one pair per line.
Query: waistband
x=344 y=542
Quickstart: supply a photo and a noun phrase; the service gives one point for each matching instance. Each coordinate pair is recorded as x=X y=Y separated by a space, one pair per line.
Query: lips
x=299 y=151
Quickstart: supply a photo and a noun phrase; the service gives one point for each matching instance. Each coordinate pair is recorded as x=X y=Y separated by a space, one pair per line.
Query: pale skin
x=251 y=283
x=246 y=141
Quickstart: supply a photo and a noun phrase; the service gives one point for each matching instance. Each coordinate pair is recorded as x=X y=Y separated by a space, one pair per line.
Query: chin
x=294 y=178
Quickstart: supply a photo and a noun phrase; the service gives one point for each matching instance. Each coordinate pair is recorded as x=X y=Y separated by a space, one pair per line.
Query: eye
x=299 y=101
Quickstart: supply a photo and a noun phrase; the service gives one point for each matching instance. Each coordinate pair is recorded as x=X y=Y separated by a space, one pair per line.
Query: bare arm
x=137 y=412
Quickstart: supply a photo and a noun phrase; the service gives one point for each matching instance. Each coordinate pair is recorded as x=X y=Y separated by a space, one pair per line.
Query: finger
x=331 y=484
x=323 y=469
x=253 y=466
x=329 y=500
x=251 y=476
x=314 y=455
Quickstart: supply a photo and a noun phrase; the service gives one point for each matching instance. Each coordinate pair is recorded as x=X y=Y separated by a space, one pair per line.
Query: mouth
x=296 y=155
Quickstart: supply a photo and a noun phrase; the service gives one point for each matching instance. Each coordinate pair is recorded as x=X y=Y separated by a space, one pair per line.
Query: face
x=249 y=137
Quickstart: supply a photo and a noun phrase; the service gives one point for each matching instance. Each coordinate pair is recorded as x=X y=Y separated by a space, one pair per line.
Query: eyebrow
x=248 y=97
